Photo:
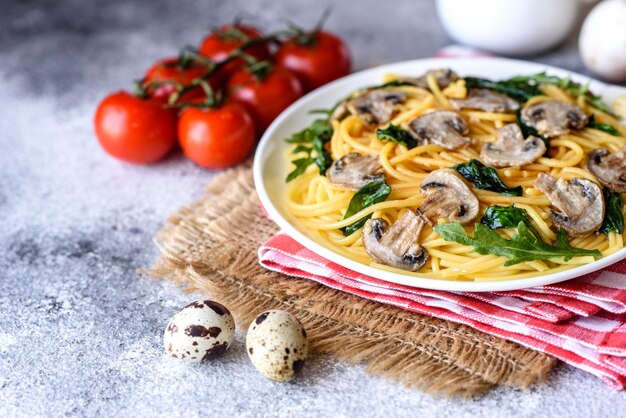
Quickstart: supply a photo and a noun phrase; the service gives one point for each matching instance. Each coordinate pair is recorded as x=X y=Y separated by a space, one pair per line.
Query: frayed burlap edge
x=211 y=247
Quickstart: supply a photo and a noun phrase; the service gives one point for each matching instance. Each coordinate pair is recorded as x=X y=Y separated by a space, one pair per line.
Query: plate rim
x=399 y=278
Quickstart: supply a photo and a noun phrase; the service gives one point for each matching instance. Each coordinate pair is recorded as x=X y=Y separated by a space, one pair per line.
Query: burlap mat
x=211 y=247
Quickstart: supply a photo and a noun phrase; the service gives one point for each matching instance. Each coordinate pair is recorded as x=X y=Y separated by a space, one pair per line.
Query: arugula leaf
x=497 y=217
x=604 y=127
x=485 y=178
x=368 y=195
x=523 y=246
x=530 y=131
x=614 y=212
x=396 y=134
x=311 y=141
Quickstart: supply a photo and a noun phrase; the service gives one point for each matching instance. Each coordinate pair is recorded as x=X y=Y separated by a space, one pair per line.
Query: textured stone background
x=80 y=331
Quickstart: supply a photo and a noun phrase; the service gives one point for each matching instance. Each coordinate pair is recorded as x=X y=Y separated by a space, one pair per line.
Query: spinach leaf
x=604 y=127
x=368 y=195
x=530 y=131
x=397 y=134
x=522 y=88
x=497 y=217
x=516 y=90
x=393 y=83
x=485 y=178
x=311 y=141
x=614 y=212
x=523 y=246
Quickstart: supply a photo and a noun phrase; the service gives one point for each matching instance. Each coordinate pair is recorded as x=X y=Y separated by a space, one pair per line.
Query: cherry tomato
x=219 y=44
x=325 y=59
x=168 y=70
x=265 y=98
x=216 y=138
x=133 y=129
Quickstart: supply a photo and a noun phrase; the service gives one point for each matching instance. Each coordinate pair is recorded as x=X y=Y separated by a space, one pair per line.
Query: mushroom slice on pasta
x=443 y=76
x=396 y=245
x=511 y=149
x=580 y=203
x=447 y=196
x=553 y=117
x=441 y=127
x=487 y=100
x=353 y=171
x=609 y=169
x=373 y=106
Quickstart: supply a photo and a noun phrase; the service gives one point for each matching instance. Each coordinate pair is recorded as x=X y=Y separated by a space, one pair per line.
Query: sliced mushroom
x=554 y=118
x=609 y=169
x=373 y=106
x=444 y=77
x=396 y=245
x=442 y=127
x=511 y=149
x=579 y=201
x=447 y=196
x=487 y=100
x=353 y=171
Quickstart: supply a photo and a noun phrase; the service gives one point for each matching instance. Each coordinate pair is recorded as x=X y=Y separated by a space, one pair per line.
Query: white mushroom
x=487 y=100
x=553 y=118
x=372 y=106
x=353 y=171
x=443 y=76
x=447 y=196
x=580 y=203
x=511 y=149
x=609 y=169
x=442 y=127
x=396 y=245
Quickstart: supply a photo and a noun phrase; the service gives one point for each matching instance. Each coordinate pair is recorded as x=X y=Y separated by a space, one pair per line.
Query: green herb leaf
x=520 y=91
x=522 y=88
x=614 y=212
x=396 y=134
x=497 y=217
x=393 y=83
x=311 y=141
x=604 y=127
x=523 y=246
x=301 y=165
x=485 y=178
x=368 y=195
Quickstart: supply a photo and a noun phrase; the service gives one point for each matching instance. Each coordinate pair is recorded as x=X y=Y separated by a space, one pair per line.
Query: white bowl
x=509 y=27
x=271 y=165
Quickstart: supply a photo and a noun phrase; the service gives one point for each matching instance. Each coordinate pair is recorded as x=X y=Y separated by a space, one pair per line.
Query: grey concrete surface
x=80 y=330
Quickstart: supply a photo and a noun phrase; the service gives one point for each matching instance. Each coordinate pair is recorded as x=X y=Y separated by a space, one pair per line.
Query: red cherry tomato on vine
x=220 y=43
x=317 y=62
x=216 y=138
x=168 y=70
x=265 y=98
x=133 y=129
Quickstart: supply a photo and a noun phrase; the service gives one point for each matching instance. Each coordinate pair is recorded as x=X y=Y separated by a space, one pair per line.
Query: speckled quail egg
x=277 y=345
x=201 y=331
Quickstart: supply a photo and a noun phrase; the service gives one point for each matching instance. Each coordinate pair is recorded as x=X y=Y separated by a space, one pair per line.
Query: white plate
x=271 y=166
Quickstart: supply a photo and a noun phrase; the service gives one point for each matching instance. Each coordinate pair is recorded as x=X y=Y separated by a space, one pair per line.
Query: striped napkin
x=581 y=321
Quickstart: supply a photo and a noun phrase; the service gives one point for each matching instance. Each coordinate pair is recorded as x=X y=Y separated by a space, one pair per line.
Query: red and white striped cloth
x=581 y=321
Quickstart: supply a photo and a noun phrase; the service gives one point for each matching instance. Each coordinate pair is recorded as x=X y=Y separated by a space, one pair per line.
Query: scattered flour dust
x=6 y=341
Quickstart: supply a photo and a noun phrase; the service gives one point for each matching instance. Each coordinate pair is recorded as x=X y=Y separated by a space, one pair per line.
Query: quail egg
x=201 y=331
x=277 y=345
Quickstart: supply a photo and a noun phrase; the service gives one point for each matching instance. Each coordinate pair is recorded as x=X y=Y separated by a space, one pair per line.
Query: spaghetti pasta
x=320 y=206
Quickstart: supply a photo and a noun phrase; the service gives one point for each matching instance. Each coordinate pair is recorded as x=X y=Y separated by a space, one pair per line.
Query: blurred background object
x=509 y=27
x=602 y=41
